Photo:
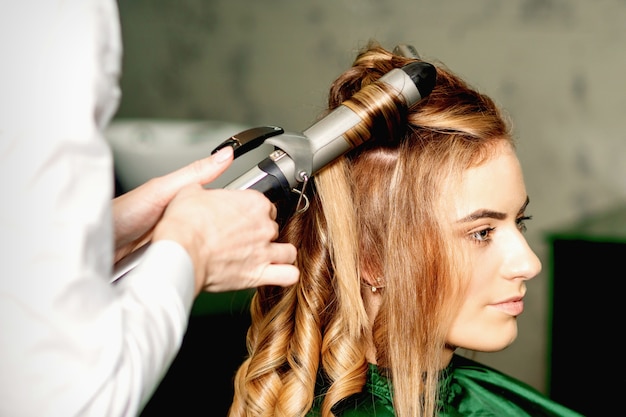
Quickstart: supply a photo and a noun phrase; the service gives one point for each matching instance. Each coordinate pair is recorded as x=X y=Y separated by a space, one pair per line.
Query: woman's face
x=488 y=217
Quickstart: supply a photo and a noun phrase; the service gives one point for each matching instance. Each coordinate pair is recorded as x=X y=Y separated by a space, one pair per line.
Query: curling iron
x=299 y=156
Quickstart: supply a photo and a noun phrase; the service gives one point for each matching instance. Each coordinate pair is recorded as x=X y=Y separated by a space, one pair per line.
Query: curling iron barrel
x=299 y=156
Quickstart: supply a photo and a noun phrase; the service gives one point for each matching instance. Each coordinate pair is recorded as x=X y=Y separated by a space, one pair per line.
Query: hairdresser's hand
x=136 y=212
x=228 y=233
x=230 y=236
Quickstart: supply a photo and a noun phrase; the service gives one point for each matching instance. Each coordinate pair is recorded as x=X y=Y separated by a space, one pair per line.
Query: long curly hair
x=374 y=213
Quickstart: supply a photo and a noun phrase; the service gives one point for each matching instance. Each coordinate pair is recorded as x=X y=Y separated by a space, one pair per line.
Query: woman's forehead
x=497 y=184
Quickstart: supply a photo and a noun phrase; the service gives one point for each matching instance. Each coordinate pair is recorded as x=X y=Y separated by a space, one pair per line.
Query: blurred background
x=556 y=66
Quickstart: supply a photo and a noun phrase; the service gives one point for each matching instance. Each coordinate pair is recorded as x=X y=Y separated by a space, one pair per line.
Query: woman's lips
x=513 y=307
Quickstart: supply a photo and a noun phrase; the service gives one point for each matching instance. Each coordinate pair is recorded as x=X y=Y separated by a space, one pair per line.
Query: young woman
x=411 y=248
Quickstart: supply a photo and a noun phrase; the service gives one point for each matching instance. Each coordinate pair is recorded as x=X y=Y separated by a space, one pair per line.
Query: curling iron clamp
x=299 y=156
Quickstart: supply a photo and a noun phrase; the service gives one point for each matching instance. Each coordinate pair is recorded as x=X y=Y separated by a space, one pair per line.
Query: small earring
x=374 y=288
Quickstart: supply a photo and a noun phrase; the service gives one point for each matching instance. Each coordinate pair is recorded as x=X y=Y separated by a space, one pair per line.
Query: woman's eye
x=521 y=222
x=482 y=235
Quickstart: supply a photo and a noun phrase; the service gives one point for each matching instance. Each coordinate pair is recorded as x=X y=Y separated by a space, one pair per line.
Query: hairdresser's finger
x=201 y=171
x=281 y=271
x=273 y=212
x=282 y=275
x=284 y=253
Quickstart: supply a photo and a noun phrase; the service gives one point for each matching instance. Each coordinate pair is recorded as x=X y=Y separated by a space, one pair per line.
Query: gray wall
x=557 y=66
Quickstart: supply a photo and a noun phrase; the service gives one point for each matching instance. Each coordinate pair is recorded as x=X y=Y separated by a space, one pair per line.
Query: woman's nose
x=521 y=260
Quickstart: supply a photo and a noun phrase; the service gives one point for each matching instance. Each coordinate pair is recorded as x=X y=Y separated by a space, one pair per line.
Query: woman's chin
x=487 y=341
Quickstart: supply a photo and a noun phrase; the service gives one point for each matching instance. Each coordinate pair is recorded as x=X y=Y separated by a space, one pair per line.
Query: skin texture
x=489 y=215
x=229 y=234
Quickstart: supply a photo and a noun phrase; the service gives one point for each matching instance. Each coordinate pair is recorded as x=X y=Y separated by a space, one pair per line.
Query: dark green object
x=586 y=312
x=468 y=388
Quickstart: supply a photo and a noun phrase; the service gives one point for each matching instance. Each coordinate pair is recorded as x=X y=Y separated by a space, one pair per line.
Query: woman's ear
x=374 y=284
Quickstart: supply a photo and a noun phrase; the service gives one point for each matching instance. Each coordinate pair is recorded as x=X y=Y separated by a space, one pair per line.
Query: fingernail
x=223 y=154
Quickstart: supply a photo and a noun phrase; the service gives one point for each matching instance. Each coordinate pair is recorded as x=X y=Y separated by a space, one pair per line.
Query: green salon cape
x=468 y=389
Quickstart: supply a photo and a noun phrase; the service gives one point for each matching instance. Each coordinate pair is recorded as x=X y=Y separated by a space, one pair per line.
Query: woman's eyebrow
x=490 y=214
x=482 y=214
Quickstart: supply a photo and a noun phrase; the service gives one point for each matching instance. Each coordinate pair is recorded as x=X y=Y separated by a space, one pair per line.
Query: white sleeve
x=71 y=344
